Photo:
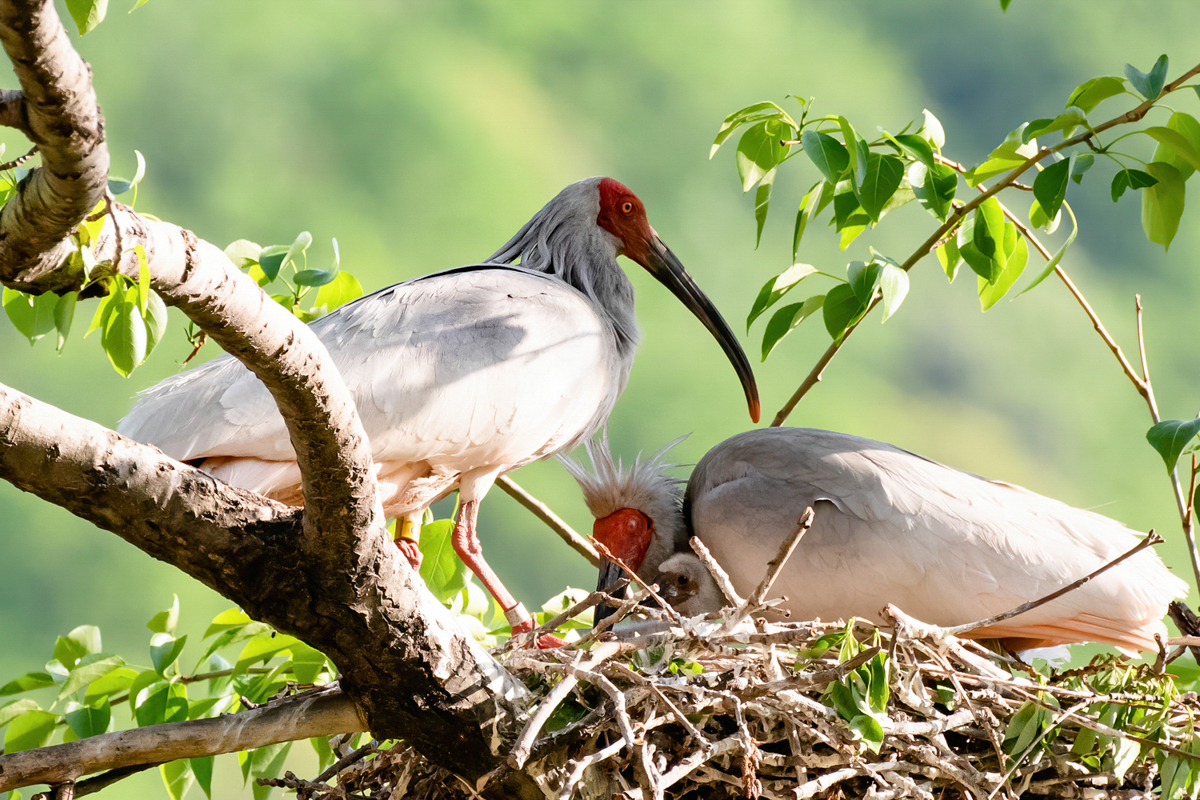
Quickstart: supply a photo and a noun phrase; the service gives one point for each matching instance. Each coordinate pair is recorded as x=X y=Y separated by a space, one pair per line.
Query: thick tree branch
x=404 y=660
x=286 y=720
x=332 y=579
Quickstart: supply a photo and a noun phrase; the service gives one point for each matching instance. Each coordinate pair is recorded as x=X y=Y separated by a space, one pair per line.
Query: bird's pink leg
x=407 y=534
x=466 y=545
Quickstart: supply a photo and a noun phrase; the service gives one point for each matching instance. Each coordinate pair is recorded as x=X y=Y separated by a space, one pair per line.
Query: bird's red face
x=626 y=533
x=624 y=216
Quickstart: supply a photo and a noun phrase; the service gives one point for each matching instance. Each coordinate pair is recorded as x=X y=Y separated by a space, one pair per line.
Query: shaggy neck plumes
x=564 y=240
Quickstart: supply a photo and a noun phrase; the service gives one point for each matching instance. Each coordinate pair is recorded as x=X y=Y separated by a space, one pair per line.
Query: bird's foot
x=522 y=623
x=411 y=551
x=548 y=641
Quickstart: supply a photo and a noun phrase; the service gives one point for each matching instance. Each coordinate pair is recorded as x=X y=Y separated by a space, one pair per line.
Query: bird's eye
x=627 y=207
x=683 y=580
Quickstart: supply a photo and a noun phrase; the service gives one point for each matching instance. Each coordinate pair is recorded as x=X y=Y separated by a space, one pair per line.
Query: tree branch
x=286 y=720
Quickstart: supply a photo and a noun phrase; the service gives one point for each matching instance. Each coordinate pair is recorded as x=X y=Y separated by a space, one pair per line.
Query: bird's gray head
x=637 y=508
x=685 y=583
x=577 y=237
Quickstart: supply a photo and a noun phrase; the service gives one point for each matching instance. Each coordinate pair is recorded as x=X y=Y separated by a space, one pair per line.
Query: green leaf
x=167 y=703
x=868 y=729
x=90 y=668
x=828 y=154
x=1175 y=148
x=165 y=621
x=1189 y=129
x=762 y=201
x=813 y=203
x=202 y=768
x=849 y=217
x=1038 y=218
x=270 y=259
x=28 y=731
x=442 y=571
x=1082 y=162
x=164 y=650
x=155 y=321
x=341 y=290
x=27 y=683
x=123 y=335
x=752 y=113
x=916 y=147
x=32 y=315
x=16 y=708
x=87 y=13
x=143 y=281
x=880 y=180
x=1090 y=93
x=1170 y=436
x=981 y=240
x=228 y=620
x=1017 y=252
x=144 y=684
x=949 y=258
x=244 y=253
x=314 y=277
x=1162 y=204
x=841 y=309
x=177 y=777
x=117 y=680
x=931 y=130
x=1050 y=186
x=307 y=662
x=263 y=648
x=89 y=720
x=80 y=642
x=1130 y=179
x=934 y=188
x=1073 y=117
x=785 y=320
x=1148 y=84
x=1053 y=262
x=759 y=151
x=776 y=288
x=893 y=283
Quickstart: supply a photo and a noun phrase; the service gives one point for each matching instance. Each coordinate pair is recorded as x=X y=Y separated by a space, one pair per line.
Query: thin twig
x=578 y=543
x=19 y=160
x=1151 y=539
x=781 y=558
x=718 y=573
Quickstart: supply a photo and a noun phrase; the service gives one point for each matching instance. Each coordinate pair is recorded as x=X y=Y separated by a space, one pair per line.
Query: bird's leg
x=408 y=537
x=466 y=545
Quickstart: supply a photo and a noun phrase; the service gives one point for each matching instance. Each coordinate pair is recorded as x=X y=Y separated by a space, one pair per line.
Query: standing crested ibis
x=944 y=546
x=459 y=376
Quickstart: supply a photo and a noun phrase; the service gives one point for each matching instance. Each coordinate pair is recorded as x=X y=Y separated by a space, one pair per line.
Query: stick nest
x=714 y=709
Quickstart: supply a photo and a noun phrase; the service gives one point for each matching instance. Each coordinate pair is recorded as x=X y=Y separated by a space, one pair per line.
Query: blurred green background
x=423 y=134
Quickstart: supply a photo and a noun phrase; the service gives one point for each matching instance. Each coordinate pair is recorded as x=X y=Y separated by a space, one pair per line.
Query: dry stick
x=524 y=744
x=1152 y=538
x=785 y=552
x=671 y=612
x=579 y=544
x=959 y=214
x=719 y=575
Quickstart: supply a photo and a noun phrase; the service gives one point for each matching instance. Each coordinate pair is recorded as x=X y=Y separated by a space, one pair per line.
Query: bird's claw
x=411 y=551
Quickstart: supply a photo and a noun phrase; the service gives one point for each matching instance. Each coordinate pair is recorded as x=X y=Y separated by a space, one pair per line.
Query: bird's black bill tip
x=610 y=576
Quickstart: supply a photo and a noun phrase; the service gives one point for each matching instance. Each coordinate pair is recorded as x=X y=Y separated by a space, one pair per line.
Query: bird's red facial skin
x=623 y=215
x=626 y=533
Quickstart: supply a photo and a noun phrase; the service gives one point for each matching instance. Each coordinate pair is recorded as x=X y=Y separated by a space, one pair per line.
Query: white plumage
x=459 y=376
x=945 y=546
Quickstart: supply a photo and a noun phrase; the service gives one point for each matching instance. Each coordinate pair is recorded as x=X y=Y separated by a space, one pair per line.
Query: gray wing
x=480 y=365
x=945 y=546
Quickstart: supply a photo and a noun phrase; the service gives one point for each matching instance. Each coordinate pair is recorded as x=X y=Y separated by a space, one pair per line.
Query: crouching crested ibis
x=459 y=376
x=944 y=546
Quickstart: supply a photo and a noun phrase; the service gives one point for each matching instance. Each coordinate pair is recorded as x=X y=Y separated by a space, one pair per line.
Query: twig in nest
x=19 y=160
x=1151 y=539
x=715 y=569
x=671 y=612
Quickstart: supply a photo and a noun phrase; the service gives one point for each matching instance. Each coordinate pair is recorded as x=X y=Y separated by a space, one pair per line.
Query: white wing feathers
x=435 y=366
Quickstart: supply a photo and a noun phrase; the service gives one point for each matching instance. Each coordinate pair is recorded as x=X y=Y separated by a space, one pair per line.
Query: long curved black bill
x=668 y=270
x=610 y=576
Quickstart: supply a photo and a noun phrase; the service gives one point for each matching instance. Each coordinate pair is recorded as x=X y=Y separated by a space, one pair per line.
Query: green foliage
x=83 y=685
x=1171 y=437
x=861 y=696
x=863 y=179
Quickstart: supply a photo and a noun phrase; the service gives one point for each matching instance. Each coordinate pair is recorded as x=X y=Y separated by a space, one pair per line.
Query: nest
x=738 y=706
x=708 y=709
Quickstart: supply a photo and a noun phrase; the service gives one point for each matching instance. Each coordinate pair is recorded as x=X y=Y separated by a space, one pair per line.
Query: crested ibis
x=459 y=376
x=944 y=546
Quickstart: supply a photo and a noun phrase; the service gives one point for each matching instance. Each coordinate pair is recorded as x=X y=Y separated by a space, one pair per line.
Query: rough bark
x=327 y=575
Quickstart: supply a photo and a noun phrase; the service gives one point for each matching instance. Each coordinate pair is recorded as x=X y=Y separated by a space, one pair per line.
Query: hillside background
x=422 y=135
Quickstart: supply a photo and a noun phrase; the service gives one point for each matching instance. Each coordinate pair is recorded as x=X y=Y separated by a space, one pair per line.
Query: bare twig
x=580 y=544
x=718 y=573
x=776 y=564
x=1151 y=539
